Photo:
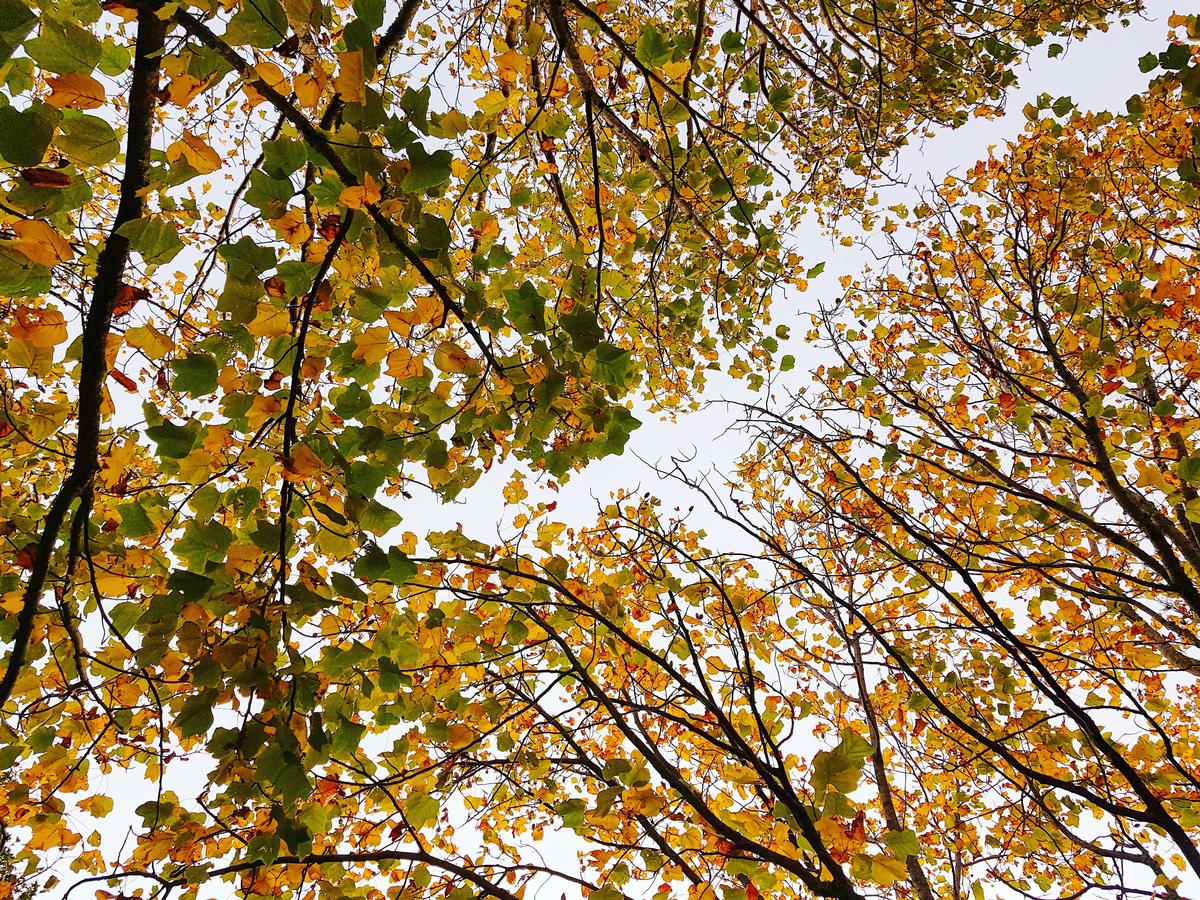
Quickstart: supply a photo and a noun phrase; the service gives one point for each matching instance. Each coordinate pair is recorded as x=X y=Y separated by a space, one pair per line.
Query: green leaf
x=246 y=259
x=203 y=543
x=262 y=848
x=88 y=140
x=189 y=585
x=1189 y=469
x=621 y=425
x=196 y=716
x=156 y=240
x=262 y=23
x=903 y=844
x=25 y=134
x=1175 y=57
x=124 y=615
x=841 y=767
x=45 y=202
x=19 y=277
x=428 y=170
x=195 y=374
x=347 y=736
x=433 y=234
x=64 y=48
x=174 y=441
x=16 y=21
x=282 y=157
x=415 y=104
x=877 y=868
x=581 y=324
x=282 y=770
x=134 y=521
x=393 y=566
x=571 y=812
x=526 y=309
x=612 y=364
x=733 y=42
x=378 y=519
x=653 y=48
x=346 y=587
x=115 y=58
x=421 y=809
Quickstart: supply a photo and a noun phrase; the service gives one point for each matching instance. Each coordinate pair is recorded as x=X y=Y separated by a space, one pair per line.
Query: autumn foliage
x=273 y=274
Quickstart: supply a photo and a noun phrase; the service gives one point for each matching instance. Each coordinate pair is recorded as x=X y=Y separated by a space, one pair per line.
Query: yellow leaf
x=244 y=558
x=263 y=408
x=271 y=76
x=292 y=226
x=510 y=64
x=195 y=152
x=449 y=357
x=270 y=321
x=302 y=465
x=349 y=80
x=150 y=341
x=12 y=602
x=308 y=90
x=361 y=195
x=98 y=806
x=372 y=345
x=643 y=801
x=39 y=327
x=515 y=491
x=40 y=243
x=183 y=89
x=453 y=123
x=459 y=735
x=402 y=364
x=74 y=91
x=492 y=102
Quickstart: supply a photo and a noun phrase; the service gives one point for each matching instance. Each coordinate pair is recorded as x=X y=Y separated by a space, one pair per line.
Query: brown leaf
x=46 y=178
x=329 y=226
x=128 y=297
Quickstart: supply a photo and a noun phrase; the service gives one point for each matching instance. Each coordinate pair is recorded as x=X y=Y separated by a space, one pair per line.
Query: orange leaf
x=123 y=380
x=74 y=91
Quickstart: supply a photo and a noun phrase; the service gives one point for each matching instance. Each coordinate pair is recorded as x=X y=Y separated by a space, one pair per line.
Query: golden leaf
x=74 y=91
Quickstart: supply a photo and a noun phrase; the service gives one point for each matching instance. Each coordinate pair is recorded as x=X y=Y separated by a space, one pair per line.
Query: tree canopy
x=272 y=270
